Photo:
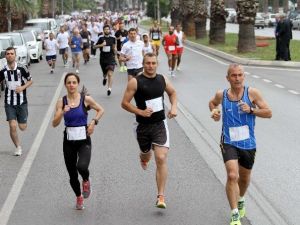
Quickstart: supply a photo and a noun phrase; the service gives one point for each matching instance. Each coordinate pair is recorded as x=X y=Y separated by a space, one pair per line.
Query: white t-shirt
x=180 y=37
x=63 y=40
x=148 y=49
x=50 y=46
x=94 y=33
x=135 y=50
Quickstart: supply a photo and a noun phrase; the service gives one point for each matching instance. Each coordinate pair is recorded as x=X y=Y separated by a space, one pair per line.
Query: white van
x=46 y=24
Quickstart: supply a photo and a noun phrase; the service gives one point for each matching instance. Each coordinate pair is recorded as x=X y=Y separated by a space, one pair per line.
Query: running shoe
x=104 y=81
x=79 y=203
x=86 y=189
x=18 y=151
x=108 y=92
x=122 y=69
x=160 y=203
x=51 y=71
x=77 y=71
x=242 y=209
x=235 y=219
x=144 y=164
x=172 y=74
x=178 y=68
x=125 y=68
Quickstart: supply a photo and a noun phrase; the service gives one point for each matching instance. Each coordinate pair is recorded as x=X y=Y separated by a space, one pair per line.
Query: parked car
x=259 y=22
x=231 y=18
x=296 y=22
x=5 y=42
x=270 y=19
x=21 y=47
x=34 y=43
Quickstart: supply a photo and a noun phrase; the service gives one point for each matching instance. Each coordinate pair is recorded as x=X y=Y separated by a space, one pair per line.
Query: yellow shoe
x=235 y=219
x=242 y=209
x=160 y=203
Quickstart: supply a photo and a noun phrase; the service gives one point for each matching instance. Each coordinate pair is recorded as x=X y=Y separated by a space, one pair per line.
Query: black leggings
x=93 y=51
x=77 y=156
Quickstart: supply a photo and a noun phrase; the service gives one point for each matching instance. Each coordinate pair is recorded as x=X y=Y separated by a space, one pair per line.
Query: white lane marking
x=267 y=81
x=247 y=73
x=14 y=193
x=255 y=76
x=294 y=92
x=279 y=86
x=207 y=56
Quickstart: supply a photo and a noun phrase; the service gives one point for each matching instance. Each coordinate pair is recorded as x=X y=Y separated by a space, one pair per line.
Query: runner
x=132 y=54
x=240 y=106
x=181 y=39
x=63 y=40
x=148 y=47
x=50 y=46
x=107 y=45
x=85 y=35
x=121 y=35
x=152 y=131
x=155 y=34
x=170 y=42
x=17 y=79
x=94 y=38
x=77 y=135
x=76 y=46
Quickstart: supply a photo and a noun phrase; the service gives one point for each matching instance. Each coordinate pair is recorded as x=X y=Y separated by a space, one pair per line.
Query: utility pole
x=158 y=11
x=62 y=7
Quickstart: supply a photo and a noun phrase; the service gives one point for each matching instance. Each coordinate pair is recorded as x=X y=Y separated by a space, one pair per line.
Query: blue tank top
x=77 y=116
x=238 y=127
x=76 y=41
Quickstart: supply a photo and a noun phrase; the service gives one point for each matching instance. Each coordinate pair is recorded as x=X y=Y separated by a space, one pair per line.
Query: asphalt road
x=38 y=192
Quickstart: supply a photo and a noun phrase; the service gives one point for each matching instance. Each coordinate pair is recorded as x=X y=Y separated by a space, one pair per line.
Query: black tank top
x=148 y=89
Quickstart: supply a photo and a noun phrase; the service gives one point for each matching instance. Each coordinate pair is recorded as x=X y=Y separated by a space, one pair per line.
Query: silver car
x=296 y=23
x=21 y=47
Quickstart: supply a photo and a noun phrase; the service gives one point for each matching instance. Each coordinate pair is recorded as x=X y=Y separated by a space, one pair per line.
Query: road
x=35 y=190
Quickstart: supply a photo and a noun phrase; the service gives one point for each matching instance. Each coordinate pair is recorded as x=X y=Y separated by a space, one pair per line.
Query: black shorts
x=16 y=112
x=107 y=66
x=134 y=72
x=63 y=50
x=148 y=135
x=50 y=57
x=85 y=46
x=245 y=158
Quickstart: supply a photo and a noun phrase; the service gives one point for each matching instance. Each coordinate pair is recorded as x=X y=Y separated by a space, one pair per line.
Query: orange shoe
x=144 y=164
x=160 y=203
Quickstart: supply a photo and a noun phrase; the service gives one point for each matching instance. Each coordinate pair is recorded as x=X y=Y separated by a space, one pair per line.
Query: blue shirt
x=77 y=116
x=237 y=124
x=78 y=42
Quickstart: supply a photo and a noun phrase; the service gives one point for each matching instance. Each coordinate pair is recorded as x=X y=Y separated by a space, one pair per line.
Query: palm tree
x=200 y=16
x=176 y=16
x=217 y=22
x=246 y=12
x=265 y=6
x=188 y=24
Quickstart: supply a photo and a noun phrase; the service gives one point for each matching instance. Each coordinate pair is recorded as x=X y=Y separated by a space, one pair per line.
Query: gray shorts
x=16 y=112
x=148 y=135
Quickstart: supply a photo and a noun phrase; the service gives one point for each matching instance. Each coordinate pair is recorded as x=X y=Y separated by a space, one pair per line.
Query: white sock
x=234 y=211
x=242 y=199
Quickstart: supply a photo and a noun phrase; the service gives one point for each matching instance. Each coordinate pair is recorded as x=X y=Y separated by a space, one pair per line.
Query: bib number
x=155 y=104
x=106 y=49
x=76 y=133
x=84 y=40
x=155 y=36
x=239 y=133
x=172 y=48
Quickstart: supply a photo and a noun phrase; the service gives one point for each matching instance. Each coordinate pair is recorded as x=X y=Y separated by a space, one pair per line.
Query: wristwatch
x=96 y=121
x=251 y=110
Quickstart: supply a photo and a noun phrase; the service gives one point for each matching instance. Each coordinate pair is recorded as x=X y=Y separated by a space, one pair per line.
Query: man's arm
x=214 y=105
x=128 y=95
x=262 y=110
x=172 y=97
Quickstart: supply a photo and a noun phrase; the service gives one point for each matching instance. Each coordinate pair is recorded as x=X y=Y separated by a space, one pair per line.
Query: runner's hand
x=67 y=108
x=147 y=112
x=172 y=113
x=90 y=129
x=216 y=114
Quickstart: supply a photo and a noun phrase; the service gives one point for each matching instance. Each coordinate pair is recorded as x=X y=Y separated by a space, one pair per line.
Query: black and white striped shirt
x=15 y=78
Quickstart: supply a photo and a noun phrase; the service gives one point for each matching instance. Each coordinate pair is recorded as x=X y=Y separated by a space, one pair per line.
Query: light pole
x=62 y=7
x=158 y=11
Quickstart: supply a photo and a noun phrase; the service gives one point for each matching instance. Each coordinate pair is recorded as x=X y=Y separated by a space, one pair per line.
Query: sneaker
x=104 y=81
x=51 y=71
x=160 y=203
x=108 y=92
x=121 y=69
x=79 y=203
x=77 y=71
x=18 y=151
x=178 y=68
x=172 y=74
x=125 y=68
x=242 y=209
x=86 y=189
x=144 y=164
x=235 y=219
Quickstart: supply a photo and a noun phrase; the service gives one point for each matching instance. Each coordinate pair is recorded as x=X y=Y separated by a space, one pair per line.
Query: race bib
x=76 y=133
x=123 y=38
x=155 y=104
x=172 y=48
x=12 y=85
x=239 y=133
x=155 y=36
x=106 y=49
x=84 y=40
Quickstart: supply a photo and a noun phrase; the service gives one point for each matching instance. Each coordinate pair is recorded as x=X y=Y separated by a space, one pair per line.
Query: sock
x=242 y=199
x=234 y=211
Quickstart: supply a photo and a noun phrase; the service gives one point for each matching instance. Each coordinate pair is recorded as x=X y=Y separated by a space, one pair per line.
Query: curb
x=235 y=59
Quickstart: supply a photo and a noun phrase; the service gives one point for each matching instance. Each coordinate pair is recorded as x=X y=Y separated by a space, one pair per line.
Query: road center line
x=267 y=81
x=294 y=92
x=255 y=76
x=14 y=193
x=279 y=86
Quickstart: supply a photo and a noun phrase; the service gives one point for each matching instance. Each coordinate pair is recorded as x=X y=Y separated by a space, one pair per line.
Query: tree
x=298 y=5
x=276 y=6
x=265 y=6
x=176 y=16
x=246 y=12
x=188 y=24
x=217 y=22
x=200 y=16
x=151 y=8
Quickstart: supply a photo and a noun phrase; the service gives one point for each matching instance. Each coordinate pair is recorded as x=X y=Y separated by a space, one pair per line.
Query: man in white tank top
x=181 y=38
x=148 y=47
